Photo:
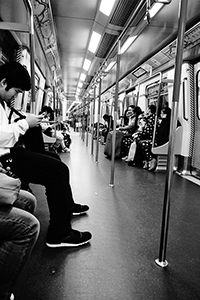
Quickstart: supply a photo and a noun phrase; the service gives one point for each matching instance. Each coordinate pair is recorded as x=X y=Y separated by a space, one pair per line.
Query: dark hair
x=167 y=111
x=106 y=117
x=16 y=76
x=152 y=108
x=48 y=110
x=137 y=110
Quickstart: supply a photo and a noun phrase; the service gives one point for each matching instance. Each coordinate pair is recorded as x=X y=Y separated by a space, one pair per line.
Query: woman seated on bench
x=161 y=137
x=144 y=132
x=133 y=114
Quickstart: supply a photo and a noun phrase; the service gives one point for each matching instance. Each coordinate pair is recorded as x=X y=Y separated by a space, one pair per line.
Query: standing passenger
x=36 y=167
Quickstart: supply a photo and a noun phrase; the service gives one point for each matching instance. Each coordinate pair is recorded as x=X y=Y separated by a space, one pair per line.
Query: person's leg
x=26 y=201
x=18 y=233
x=77 y=209
x=54 y=175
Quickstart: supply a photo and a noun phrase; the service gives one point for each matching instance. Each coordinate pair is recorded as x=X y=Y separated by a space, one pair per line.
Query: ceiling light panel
x=94 y=42
x=127 y=44
x=80 y=84
x=109 y=67
x=82 y=77
x=86 y=64
x=106 y=6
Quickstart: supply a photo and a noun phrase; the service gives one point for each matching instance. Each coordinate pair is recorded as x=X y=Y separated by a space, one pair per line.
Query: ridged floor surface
x=119 y=263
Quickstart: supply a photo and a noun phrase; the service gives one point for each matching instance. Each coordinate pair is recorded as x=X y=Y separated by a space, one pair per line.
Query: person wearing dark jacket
x=161 y=137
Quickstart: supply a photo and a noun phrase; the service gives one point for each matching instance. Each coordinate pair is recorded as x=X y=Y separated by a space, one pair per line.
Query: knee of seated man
x=25 y=225
x=59 y=169
x=26 y=201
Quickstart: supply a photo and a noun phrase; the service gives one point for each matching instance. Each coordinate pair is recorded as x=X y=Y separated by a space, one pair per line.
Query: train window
x=152 y=92
x=198 y=94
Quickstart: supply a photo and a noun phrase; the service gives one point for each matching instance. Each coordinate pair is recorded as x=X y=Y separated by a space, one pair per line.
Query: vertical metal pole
x=161 y=261
x=138 y=93
x=115 y=116
x=32 y=61
x=99 y=108
x=156 y=117
x=83 y=120
x=92 y=122
x=87 y=117
x=54 y=98
x=57 y=104
x=123 y=106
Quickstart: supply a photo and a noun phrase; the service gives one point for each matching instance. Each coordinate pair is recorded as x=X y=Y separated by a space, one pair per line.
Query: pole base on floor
x=162 y=264
x=111 y=185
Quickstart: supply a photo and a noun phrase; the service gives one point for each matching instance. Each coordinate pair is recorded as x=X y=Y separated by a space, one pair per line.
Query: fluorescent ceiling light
x=82 y=77
x=80 y=84
x=86 y=64
x=109 y=67
x=106 y=6
x=127 y=44
x=155 y=9
x=94 y=42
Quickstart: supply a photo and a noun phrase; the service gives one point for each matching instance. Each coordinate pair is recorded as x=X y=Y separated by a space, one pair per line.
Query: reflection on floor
x=119 y=263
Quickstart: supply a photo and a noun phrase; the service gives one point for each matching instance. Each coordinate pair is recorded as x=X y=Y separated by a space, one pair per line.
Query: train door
x=195 y=162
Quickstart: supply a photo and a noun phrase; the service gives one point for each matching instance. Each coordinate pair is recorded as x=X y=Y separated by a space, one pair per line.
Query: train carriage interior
x=92 y=58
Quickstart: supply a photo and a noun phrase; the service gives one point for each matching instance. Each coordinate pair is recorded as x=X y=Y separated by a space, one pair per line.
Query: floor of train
x=119 y=263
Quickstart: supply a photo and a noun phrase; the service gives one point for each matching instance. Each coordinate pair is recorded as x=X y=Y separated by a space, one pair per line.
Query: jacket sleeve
x=10 y=133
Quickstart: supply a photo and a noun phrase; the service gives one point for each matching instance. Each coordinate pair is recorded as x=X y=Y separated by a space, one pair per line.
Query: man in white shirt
x=35 y=167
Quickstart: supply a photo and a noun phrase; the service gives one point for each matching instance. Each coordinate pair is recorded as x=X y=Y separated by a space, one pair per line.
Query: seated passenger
x=35 y=167
x=47 y=129
x=133 y=113
x=161 y=137
x=19 y=230
x=66 y=134
x=146 y=133
x=132 y=149
x=108 y=126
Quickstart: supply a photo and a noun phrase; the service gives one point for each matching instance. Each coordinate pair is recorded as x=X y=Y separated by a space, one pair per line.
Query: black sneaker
x=74 y=239
x=79 y=209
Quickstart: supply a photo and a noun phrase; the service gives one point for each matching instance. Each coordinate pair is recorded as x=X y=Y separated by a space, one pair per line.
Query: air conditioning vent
x=105 y=45
x=123 y=11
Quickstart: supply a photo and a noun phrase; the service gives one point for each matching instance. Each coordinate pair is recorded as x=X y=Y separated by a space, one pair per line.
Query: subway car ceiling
x=64 y=29
x=75 y=21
